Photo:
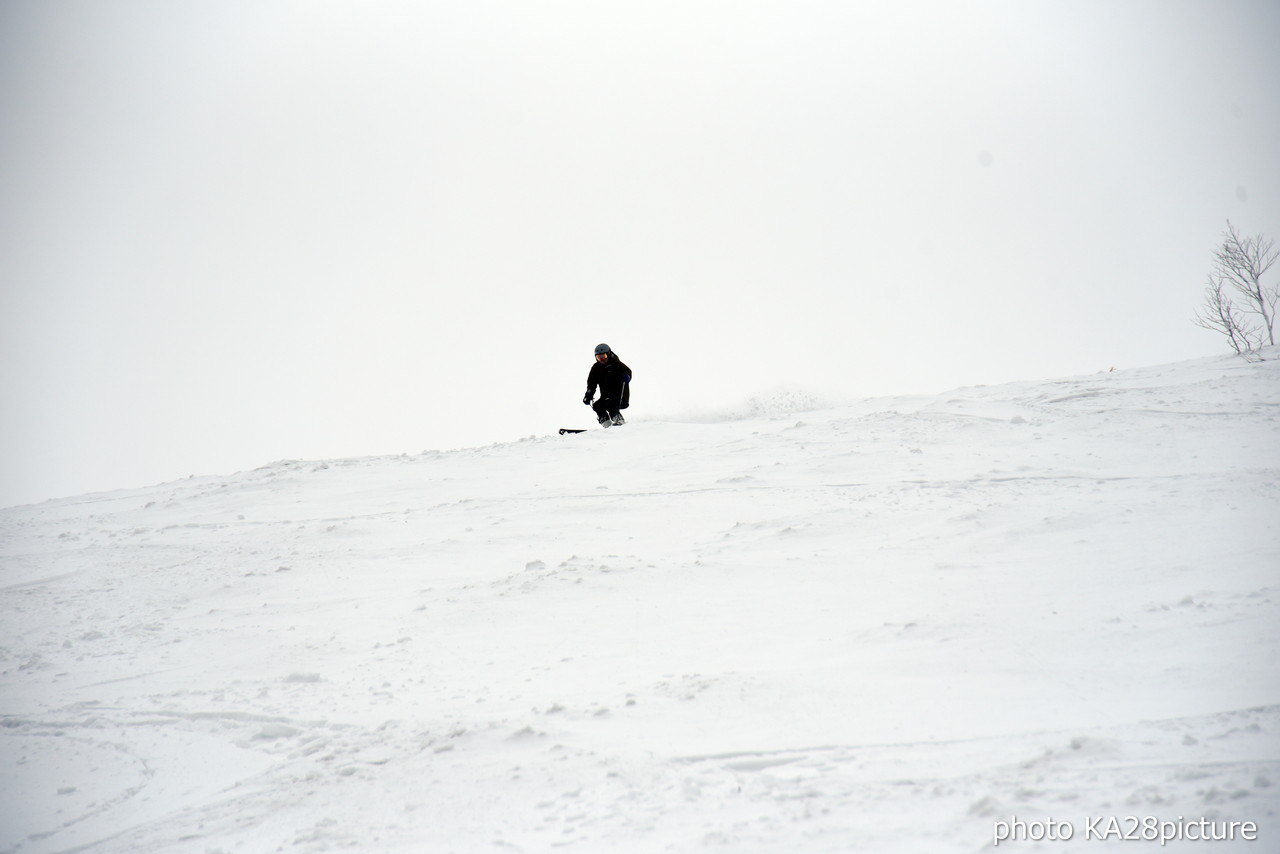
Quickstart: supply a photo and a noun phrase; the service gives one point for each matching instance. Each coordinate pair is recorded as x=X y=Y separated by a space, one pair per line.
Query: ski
x=564 y=430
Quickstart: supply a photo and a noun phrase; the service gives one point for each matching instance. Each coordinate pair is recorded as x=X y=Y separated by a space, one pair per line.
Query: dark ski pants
x=606 y=407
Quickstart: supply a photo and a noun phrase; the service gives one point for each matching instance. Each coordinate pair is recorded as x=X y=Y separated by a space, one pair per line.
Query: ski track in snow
x=881 y=626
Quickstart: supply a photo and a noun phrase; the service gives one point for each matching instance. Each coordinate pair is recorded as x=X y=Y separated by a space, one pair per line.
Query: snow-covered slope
x=890 y=626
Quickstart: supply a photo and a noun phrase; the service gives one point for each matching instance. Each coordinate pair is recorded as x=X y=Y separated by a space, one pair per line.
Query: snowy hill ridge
x=887 y=626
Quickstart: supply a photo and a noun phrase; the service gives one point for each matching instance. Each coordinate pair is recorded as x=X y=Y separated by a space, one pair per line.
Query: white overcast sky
x=235 y=232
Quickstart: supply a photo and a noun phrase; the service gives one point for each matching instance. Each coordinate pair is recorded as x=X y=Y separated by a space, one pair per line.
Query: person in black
x=614 y=379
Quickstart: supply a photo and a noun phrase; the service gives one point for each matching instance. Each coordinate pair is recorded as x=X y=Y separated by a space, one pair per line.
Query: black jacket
x=614 y=379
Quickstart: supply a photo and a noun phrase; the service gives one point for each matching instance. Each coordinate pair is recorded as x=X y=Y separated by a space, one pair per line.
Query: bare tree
x=1238 y=267
x=1219 y=314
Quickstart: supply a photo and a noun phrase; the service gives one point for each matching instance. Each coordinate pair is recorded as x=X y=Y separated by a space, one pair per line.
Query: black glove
x=586 y=398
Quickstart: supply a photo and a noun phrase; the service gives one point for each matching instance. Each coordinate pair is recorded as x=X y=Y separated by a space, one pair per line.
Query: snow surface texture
x=881 y=627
